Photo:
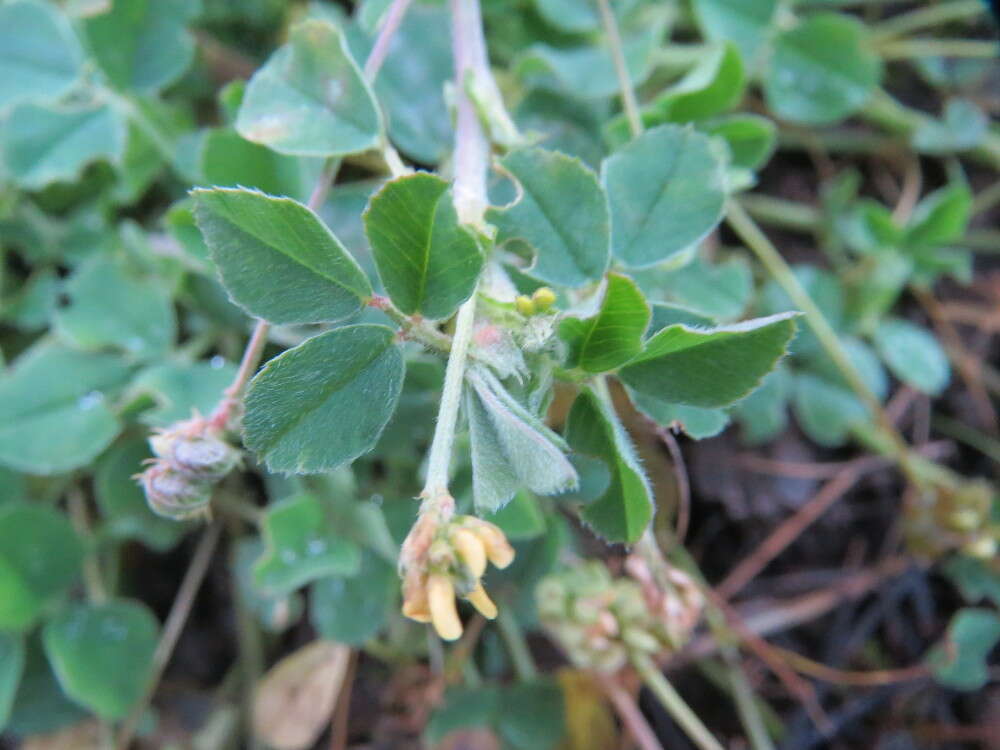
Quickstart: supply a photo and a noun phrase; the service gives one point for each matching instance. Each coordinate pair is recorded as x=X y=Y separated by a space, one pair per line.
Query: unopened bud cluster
x=191 y=458
x=599 y=620
x=444 y=557
x=540 y=301
x=954 y=515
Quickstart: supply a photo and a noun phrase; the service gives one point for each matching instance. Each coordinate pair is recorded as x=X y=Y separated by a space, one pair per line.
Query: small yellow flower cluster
x=540 y=301
x=445 y=556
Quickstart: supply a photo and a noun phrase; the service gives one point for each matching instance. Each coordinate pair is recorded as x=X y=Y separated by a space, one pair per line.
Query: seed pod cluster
x=191 y=458
x=599 y=619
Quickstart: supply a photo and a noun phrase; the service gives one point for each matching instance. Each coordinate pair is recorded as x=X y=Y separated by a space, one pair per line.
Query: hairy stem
x=671 y=700
x=472 y=153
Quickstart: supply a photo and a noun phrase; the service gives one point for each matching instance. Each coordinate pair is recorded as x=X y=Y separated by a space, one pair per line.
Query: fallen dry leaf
x=296 y=698
x=83 y=736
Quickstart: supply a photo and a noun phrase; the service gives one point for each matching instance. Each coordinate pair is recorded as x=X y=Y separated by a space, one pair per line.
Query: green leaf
x=826 y=412
x=412 y=96
x=665 y=315
x=39 y=55
x=569 y=15
x=463 y=708
x=228 y=160
x=428 y=262
x=622 y=513
x=111 y=307
x=124 y=512
x=751 y=138
x=963 y=127
x=531 y=715
x=587 y=71
x=142 y=44
x=960 y=662
x=826 y=292
x=11 y=668
x=976 y=579
x=43 y=145
x=277 y=259
x=561 y=213
x=511 y=448
x=821 y=71
x=520 y=519
x=310 y=99
x=54 y=414
x=711 y=87
x=713 y=367
x=565 y=124
x=102 y=654
x=613 y=336
x=696 y=422
x=326 y=401
x=40 y=559
x=718 y=290
x=913 y=355
x=746 y=23
x=180 y=389
x=939 y=218
x=274 y=613
x=763 y=415
x=40 y=705
x=302 y=546
x=666 y=191
x=354 y=608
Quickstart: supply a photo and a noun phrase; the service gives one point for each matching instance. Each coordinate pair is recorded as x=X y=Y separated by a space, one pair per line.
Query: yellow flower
x=445 y=557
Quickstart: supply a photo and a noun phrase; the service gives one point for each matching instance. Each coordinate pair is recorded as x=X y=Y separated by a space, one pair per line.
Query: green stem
x=963 y=433
x=885 y=112
x=672 y=701
x=922 y=18
x=173 y=627
x=747 y=229
x=746 y=702
x=629 y=103
x=907 y=49
x=92 y=579
x=517 y=646
x=779 y=212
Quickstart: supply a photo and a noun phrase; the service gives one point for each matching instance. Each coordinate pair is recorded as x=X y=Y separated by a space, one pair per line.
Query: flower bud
x=524 y=305
x=471 y=551
x=207 y=457
x=543 y=298
x=498 y=549
x=174 y=494
x=479 y=599
x=441 y=601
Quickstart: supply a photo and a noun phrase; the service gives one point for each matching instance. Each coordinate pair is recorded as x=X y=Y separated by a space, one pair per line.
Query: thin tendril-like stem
x=675 y=705
x=629 y=103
